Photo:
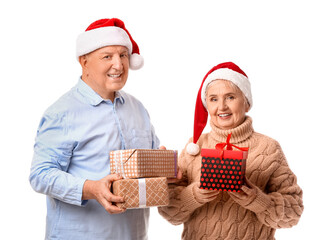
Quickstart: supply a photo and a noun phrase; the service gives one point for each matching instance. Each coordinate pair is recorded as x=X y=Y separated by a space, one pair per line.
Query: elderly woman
x=270 y=198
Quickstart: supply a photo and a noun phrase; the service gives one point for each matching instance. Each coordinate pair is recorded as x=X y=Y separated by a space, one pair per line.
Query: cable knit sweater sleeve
x=182 y=198
x=279 y=204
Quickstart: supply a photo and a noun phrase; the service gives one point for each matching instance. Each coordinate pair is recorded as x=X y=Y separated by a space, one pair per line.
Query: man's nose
x=116 y=62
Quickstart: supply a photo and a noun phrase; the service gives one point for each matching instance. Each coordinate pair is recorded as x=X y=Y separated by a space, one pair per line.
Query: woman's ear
x=247 y=106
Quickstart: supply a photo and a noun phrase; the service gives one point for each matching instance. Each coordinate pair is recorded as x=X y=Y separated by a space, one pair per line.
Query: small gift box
x=142 y=163
x=142 y=192
x=223 y=170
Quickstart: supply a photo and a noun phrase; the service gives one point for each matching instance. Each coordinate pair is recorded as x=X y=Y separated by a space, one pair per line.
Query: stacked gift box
x=145 y=173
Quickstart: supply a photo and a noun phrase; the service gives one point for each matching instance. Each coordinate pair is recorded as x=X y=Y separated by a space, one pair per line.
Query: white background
x=283 y=46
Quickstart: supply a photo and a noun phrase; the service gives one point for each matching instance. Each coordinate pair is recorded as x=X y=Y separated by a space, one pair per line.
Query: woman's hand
x=248 y=194
x=203 y=195
x=101 y=191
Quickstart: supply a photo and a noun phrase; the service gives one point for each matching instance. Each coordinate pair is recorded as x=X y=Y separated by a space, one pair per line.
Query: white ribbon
x=142 y=192
x=121 y=163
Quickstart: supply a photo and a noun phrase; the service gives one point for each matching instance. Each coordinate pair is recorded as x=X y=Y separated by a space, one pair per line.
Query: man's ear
x=83 y=60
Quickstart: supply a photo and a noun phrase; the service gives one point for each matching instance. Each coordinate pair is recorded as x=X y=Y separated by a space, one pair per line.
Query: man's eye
x=124 y=55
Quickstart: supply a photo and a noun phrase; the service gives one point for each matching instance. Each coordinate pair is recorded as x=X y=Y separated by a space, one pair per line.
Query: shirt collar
x=119 y=97
x=94 y=98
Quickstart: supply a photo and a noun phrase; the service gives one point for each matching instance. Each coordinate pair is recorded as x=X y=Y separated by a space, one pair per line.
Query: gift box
x=223 y=169
x=142 y=192
x=143 y=163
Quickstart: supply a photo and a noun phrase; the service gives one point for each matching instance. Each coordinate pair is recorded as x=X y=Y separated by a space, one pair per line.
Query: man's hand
x=177 y=179
x=178 y=176
x=101 y=191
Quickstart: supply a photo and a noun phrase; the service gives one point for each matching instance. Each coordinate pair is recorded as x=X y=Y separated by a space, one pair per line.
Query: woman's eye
x=230 y=97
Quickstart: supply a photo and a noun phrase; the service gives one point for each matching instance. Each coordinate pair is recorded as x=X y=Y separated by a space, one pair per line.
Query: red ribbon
x=229 y=146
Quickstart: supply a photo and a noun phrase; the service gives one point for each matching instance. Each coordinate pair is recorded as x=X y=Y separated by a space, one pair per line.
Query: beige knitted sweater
x=272 y=199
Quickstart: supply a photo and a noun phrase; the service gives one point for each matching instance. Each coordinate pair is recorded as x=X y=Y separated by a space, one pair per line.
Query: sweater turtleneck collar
x=239 y=134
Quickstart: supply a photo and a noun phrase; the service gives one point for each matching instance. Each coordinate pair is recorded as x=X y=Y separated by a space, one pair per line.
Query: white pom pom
x=192 y=149
x=136 y=61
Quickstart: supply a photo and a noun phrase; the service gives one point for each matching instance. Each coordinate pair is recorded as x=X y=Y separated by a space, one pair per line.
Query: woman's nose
x=222 y=105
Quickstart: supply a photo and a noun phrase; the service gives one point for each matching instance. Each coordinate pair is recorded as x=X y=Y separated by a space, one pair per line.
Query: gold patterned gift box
x=142 y=192
x=143 y=163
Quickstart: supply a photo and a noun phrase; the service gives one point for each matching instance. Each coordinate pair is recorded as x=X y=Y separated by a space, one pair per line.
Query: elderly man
x=71 y=153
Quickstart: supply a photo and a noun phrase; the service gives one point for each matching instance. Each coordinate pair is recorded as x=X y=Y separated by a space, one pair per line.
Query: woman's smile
x=224 y=115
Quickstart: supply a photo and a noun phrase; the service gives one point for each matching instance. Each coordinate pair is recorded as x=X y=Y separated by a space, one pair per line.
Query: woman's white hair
x=228 y=84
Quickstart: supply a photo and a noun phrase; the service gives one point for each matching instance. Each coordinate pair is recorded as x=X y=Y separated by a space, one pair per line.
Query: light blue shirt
x=73 y=142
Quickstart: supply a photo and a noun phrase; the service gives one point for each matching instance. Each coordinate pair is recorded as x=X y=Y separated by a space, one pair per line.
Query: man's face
x=105 y=70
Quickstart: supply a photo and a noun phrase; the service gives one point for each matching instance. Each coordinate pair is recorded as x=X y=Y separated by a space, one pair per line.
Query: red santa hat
x=226 y=71
x=108 y=32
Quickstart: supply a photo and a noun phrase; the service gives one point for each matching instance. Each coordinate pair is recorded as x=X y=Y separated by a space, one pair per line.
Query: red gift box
x=223 y=170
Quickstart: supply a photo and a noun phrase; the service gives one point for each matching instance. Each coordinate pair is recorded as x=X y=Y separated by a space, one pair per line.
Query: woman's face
x=226 y=104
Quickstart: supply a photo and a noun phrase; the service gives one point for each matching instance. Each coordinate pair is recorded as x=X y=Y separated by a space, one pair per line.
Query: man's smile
x=114 y=75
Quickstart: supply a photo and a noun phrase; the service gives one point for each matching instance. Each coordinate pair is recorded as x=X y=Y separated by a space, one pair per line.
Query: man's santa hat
x=224 y=71
x=108 y=32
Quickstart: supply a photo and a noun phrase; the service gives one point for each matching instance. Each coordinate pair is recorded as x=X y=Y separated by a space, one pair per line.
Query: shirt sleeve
x=155 y=139
x=52 y=155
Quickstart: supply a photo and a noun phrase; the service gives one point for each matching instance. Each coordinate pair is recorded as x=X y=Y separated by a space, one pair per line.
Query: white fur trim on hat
x=94 y=39
x=192 y=149
x=228 y=74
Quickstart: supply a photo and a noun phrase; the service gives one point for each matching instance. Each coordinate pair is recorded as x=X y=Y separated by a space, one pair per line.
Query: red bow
x=229 y=146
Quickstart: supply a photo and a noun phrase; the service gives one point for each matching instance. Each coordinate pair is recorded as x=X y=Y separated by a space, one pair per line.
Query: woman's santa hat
x=224 y=71
x=108 y=32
